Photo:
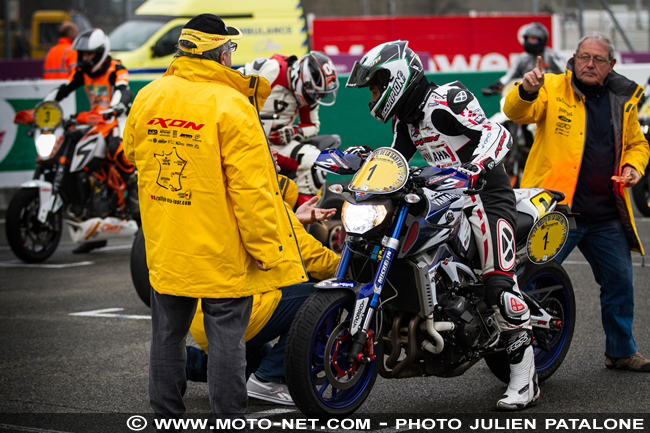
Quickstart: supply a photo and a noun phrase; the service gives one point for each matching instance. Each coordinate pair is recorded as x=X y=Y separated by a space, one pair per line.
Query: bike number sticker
x=48 y=115
x=547 y=237
x=384 y=171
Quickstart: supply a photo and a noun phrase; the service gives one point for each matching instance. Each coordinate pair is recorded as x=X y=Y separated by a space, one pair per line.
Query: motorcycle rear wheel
x=139 y=269
x=321 y=382
x=551 y=287
x=29 y=239
x=641 y=195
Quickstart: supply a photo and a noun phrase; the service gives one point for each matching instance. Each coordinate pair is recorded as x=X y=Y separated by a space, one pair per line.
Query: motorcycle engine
x=103 y=200
x=463 y=314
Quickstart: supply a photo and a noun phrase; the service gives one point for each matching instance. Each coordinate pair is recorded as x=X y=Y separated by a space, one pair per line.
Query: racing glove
x=361 y=151
x=285 y=134
x=476 y=171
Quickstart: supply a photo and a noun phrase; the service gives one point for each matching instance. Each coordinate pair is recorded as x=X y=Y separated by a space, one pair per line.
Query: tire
x=641 y=195
x=139 y=269
x=29 y=239
x=559 y=302
x=320 y=330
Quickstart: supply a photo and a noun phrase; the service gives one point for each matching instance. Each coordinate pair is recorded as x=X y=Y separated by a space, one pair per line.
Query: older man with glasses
x=589 y=145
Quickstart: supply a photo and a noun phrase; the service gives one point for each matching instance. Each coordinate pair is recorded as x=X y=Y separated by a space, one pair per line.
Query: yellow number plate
x=547 y=237
x=48 y=115
x=385 y=171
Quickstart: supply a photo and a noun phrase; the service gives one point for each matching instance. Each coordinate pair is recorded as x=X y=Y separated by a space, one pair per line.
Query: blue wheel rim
x=544 y=359
x=326 y=392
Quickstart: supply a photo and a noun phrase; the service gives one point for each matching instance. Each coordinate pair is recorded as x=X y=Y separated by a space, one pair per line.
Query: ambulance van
x=145 y=44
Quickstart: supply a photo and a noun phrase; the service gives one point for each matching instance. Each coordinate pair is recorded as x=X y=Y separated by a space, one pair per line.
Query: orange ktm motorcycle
x=74 y=184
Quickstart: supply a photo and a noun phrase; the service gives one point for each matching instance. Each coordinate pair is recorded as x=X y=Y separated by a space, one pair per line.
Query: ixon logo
x=176 y=123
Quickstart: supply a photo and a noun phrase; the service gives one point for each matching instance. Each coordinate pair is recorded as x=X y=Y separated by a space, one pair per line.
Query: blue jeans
x=265 y=361
x=271 y=367
x=606 y=248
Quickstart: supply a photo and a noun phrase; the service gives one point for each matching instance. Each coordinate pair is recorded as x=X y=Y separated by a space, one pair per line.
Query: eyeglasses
x=233 y=47
x=598 y=61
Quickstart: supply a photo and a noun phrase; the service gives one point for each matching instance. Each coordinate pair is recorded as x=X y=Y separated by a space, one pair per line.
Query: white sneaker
x=269 y=391
x=523 y=390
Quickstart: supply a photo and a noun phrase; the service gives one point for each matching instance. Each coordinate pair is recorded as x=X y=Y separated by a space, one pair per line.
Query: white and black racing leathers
x=282 y=103
x=448 y=127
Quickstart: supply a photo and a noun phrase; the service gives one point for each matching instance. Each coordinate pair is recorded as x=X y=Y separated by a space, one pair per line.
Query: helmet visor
x=327 y=99
x=359 y=76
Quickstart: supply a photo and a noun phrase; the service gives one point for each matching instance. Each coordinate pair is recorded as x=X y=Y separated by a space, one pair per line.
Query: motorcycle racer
x=533 y=38
x=107 y=85
x=448 y=127
x=298 y=88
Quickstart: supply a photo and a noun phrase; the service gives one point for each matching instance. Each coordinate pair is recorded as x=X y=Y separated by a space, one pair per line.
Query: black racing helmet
x=534 y=30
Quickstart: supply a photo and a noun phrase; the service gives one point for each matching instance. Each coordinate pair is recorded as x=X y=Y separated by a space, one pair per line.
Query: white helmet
x=395 y=69
x=96 y=41
x=314 y=79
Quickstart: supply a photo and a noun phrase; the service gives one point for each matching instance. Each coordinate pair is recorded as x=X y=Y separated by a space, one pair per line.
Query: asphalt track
x=74 y=339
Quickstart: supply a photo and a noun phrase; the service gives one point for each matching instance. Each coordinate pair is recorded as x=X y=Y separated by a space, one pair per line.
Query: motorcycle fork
x=391 y=244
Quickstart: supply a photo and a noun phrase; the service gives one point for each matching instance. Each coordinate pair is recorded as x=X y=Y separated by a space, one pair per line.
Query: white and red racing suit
x=448 y=127
x=298 y=155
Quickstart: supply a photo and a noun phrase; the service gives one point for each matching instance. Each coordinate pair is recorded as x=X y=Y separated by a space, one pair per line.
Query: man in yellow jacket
x=214 y=222
x=589 y=145
x=273 y=312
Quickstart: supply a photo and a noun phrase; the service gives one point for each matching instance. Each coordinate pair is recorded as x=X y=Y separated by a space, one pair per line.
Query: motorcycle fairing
x=100 y=228
x=335 y=161
x=438 y=202
x=89 y=147
x=46 y=201
x=438 y=179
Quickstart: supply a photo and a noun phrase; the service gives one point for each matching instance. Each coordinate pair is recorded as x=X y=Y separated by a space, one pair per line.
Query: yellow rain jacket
x=555 y=157
x=321 y=263
x=209 y=194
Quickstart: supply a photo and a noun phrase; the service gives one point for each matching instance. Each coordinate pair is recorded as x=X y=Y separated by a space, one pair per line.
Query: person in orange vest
x=61 y=57
x=107 y=85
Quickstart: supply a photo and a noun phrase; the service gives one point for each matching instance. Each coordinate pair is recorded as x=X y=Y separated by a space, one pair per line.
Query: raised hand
x=534 y=80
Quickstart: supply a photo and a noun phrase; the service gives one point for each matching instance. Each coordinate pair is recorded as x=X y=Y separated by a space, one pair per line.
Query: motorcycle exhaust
x=432 y=328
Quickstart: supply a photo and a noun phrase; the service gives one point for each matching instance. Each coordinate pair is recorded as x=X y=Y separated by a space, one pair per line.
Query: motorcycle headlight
x=360 y=218
x=44 y=144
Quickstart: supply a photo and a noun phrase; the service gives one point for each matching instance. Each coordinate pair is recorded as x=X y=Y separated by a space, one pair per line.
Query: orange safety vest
x=59 y=60
x=100 y=89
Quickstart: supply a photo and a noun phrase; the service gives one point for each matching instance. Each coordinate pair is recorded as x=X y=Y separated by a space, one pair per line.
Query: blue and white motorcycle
x=407 y=299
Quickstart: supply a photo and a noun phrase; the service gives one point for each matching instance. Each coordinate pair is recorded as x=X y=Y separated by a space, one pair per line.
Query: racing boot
x=523 y=389
x=513 y=316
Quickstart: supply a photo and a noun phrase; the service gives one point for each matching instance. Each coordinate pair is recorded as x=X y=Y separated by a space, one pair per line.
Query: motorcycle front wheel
x=29 y=239
x=321 y=381
x=551 y=287
x=641 y=195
